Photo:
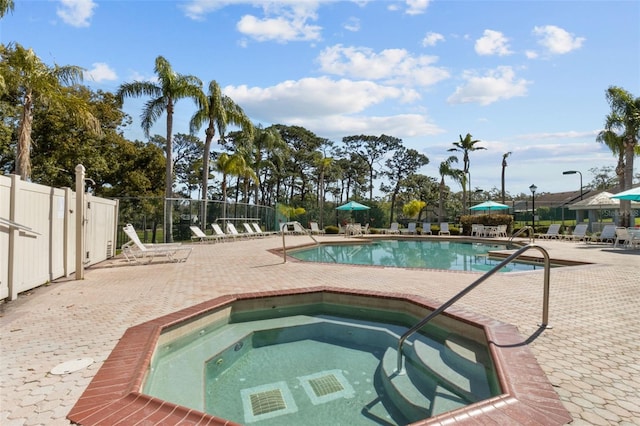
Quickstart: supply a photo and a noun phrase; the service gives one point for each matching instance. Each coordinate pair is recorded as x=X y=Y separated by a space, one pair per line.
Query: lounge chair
x=411 y=229
x=231 y=229
x=134 y=250
x=259 y=230
x=250 y=231
x=444 y=229
x=366 y=229
x=607 y=236
x=393 y=229
x=579 y=233
x=426 y=228
x=552 y=232
x=315 y=229
x=220 y=233
x=200 y=236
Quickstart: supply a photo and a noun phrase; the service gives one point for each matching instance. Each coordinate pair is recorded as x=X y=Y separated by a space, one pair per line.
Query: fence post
x=80 y=222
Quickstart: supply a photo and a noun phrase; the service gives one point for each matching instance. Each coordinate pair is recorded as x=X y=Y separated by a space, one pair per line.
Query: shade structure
x=489 y=205
x=352 y=205
x=632 y=194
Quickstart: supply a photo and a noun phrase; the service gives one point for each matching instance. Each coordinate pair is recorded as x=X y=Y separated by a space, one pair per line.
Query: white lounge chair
x=579 y=233
x=394 y=228
x=426 y=228
x=220 y=233
x=134 y=250
x=231 y=229
x=444 y=229
x=199 y=235
x=315 y=229
x=250 y=231
x=552 y=232
x=411 y=229
x=608 y=235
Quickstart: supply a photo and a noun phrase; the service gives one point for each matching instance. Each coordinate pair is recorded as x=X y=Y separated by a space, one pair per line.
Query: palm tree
x=445 y=169
x=164 y=93
x=36 y=82
x=5 y=6
x=504 y=166
x=217 y=111
x=616 y=144
x=625 y=117
x=465 y=146
x=233 y=165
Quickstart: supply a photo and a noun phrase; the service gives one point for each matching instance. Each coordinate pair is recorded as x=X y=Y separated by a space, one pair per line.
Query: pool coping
x=114 y=395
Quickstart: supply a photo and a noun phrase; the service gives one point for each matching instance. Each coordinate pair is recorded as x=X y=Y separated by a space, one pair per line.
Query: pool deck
x=591 y=355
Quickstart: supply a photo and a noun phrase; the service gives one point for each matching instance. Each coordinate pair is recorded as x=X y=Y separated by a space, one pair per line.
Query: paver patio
x=591 y=356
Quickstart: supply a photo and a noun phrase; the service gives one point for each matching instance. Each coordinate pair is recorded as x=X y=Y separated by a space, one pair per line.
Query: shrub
x=331 y=229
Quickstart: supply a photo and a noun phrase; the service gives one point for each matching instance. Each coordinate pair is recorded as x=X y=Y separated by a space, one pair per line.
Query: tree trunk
x=168 y=182
x=23 y=157
x=209 y=134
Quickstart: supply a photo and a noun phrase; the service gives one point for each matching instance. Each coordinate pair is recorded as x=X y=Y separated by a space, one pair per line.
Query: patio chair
x=315 y=229
x=134 y=250
x=221 y=234
x=411 y=229
x=366 y=229
x=552 y=233
x=256 y=228
x=444 y=229
x=393 y=229
x=608 y=235
x=250 y=231
x=426 y=228
x=477 y=230
x=199 y=235
x=499 y=231
x=579 y=233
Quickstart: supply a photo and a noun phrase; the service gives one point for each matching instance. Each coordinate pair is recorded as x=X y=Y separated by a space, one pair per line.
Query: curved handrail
x=448 y=303
x=284 y=246
x=521 y=230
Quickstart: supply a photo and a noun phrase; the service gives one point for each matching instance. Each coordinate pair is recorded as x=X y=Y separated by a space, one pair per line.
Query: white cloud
x=279 y=29
x=100 y=72
x=76 y=13
x=431 y=39
x=394 y=66
x=416 y=7
x=492 y=43
x=329 y=107
x=352 y=24
x=495 y=85
x=556 y=40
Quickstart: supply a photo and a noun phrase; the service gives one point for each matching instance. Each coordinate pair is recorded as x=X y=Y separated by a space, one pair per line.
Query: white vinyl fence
x=38 y=231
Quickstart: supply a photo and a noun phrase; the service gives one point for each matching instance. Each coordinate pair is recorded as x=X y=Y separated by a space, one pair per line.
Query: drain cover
x=267 y=402
x=71 y=366
x=325 y=385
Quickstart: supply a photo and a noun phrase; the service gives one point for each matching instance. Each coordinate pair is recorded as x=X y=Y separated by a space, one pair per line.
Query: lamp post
x=573 y=172
x=533 y=188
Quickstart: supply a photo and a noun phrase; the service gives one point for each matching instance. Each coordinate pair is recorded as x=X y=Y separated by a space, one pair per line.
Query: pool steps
x=432 y=368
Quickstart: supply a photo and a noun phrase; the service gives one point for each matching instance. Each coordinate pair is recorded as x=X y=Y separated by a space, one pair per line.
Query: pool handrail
x=521 y=230
x=284 y=246
x=448 y=303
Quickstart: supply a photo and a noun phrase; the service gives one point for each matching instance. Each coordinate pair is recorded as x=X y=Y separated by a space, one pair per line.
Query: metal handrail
x=521 y=230
x=545 y=301
x=18 y=226
x=284 y=246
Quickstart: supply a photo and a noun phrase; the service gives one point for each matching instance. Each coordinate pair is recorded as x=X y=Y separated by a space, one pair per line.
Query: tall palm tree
x=445 y=169
x=504 y=166
x=625 y=117
x=465 y=146
x=217 y=111
x=5 y=6
x=229 y=165
x=164 y=93
x=615 y=143
x=35 y=82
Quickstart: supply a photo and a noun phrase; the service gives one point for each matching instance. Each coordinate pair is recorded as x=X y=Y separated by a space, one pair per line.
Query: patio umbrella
x=632 y=194
x=489 y=205
x=352 y=205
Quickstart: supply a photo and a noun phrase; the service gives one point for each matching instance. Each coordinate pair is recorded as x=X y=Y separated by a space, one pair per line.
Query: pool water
x=290 y=367
x=447 y=255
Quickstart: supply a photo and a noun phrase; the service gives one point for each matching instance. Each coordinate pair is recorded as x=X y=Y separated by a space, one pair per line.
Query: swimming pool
x=447 y=255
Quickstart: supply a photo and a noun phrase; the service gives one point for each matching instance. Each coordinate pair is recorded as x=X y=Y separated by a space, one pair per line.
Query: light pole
x=533 y=188
x=573 y=172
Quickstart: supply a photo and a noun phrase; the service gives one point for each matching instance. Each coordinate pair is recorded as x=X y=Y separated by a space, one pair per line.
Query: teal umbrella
x=632 y=194
x=489 y=205
x=352 y=205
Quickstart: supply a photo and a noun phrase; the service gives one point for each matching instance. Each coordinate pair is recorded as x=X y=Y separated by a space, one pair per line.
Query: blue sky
x=526 y=77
